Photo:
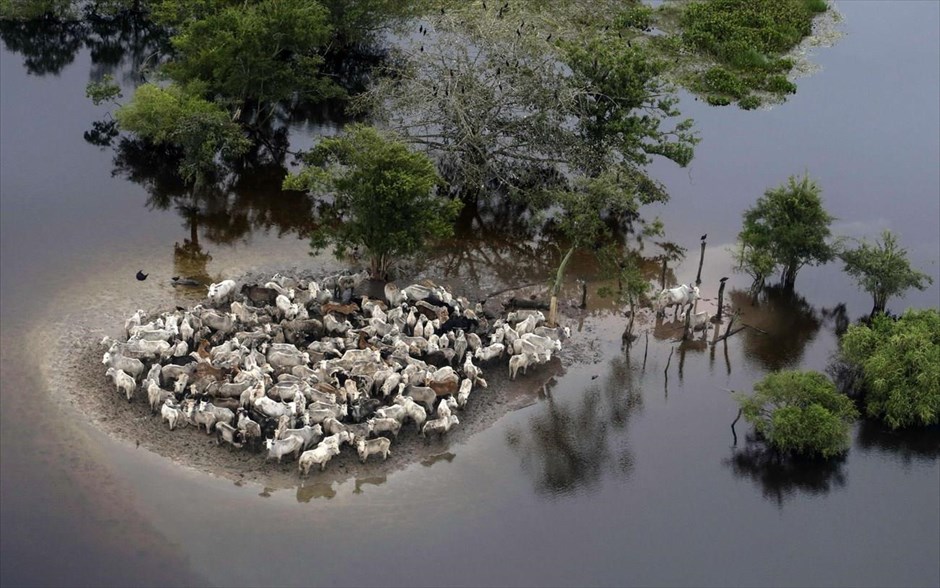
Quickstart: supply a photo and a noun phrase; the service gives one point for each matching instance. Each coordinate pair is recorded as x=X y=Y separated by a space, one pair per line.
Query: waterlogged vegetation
x=899 y=361
x=739 y=47
x=786 y=229
x=800 y=413
x=542 y=119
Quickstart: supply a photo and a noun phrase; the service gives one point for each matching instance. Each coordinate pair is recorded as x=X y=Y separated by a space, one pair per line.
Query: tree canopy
x=503 y=107
x=201 y=130
x=900 y=366
x=787 y=228
x=883 y=270
x=259 y=52
x=383 y=196
x=800 y=413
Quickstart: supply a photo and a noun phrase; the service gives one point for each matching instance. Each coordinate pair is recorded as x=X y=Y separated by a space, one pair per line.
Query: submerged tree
x=800 y=413
x=787 y=229
x=503 y=108
x=883 y=270
x=900 y=366
x=200 y=131
x=384 y=197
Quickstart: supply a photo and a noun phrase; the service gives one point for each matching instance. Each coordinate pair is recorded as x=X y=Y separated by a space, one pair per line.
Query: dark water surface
x=622 y=477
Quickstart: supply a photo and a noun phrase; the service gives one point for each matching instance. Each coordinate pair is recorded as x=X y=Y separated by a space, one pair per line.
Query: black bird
x=422 y=48
x=141 y=275
x=703 y=237
x=549 y=37
x=484 y=6
x=723 y=279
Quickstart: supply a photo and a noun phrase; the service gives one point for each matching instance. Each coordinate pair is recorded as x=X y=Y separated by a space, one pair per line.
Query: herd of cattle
x=306 y=367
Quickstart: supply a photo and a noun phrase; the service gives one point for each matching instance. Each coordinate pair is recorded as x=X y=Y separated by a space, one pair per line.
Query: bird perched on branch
x=703 y=237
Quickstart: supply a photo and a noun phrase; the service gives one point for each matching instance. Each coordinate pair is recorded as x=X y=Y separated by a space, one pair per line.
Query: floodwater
x=626 y=475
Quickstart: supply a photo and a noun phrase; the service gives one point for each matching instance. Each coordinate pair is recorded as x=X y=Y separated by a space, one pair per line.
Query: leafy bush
x=900 y=365
x=747 y=37
x=800 y=413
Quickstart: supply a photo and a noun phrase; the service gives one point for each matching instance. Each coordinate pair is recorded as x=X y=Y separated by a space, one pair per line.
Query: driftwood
x=726 y=335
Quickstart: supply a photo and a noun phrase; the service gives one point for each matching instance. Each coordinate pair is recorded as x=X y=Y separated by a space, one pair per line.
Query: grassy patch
x=745 y=40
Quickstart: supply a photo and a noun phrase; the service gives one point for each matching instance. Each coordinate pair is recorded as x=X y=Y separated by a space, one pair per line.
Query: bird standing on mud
x=141 y=275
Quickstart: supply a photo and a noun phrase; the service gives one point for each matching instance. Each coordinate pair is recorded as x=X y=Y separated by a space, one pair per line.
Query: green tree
x=900 y=366
x=789 y=227
x=201 y=131
x=383 y=196
x=591 y=213
x=251 y=53
x=800 y=413
x=883 y=270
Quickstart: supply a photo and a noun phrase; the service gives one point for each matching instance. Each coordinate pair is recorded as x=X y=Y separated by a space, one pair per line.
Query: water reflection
x=573 y=442
x=307 y=491
x=781 y=478
x=438 y=457
x=782 y=323
x=125 y=42
x=914 y=445
x=369 y=481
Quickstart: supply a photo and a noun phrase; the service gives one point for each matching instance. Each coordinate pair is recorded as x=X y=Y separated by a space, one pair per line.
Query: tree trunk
x=789 y=276
x=721 y=298
x=556 y=287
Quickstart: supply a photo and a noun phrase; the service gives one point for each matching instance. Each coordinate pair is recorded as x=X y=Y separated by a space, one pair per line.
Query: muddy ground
x=76 y=378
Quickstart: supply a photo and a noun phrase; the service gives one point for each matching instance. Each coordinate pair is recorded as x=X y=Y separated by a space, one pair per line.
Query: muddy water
x=626 y=474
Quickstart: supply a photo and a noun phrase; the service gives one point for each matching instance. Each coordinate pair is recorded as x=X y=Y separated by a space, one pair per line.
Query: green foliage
x=746 y=40
x=201 y=130
x=635 y=17
x=883 y=270
x=624 y=103
x=30 y=9
x=261 y=52
x=800 y=413
x=103 y=91
x=383 y=196
x=787 y=226
x=504 y=106
x=900 y=364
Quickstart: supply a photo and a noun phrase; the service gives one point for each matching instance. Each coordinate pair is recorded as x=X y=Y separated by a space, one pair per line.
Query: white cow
x=678 y=296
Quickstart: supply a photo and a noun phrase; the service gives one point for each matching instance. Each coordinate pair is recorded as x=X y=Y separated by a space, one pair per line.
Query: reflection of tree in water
x=910 y=445
x=47 y=44
x=790 y=323
x=781 y=477
x=225 y=211
x=125 y=40
x=568 y=446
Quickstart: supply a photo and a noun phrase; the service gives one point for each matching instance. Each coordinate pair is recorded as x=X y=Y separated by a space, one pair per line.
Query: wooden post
x=721 y=299
x=583 y=284
x=662 y=275
x=646 y=349
x=701 y=260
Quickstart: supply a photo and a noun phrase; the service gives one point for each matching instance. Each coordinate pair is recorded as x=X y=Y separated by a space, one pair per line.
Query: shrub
x=900 y=365
x=800 y=413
